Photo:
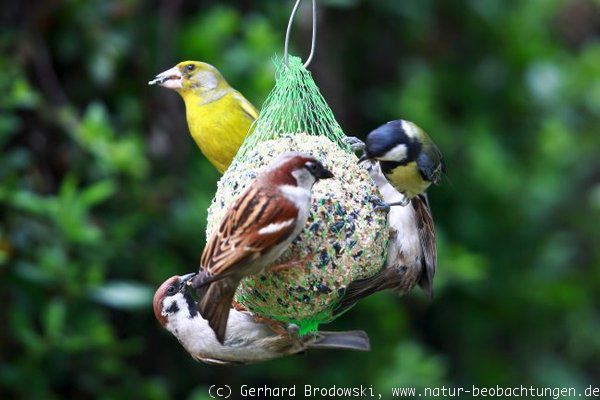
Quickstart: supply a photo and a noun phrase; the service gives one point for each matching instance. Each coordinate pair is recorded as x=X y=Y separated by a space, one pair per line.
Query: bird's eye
x=190 y=67
x=171 y=290
x=310 y=166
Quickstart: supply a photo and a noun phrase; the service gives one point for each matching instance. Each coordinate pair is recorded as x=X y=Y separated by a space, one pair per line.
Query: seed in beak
x=170 y=79
x=159 y=80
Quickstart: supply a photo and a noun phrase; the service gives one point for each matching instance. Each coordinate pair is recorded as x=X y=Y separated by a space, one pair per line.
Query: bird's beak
x=170 y=79
x=325 y=174
x=186 y=278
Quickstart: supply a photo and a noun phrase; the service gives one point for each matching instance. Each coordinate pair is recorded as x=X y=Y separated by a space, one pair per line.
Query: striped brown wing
x=257 y=221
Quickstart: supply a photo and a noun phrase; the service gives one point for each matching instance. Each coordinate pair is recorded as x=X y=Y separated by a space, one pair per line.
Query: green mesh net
x=295 y=105
x=343 y=240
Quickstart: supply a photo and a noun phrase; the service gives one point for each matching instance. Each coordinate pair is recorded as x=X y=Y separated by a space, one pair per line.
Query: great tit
x=408 y=157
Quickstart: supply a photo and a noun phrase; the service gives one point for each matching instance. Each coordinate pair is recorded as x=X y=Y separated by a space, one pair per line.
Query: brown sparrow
x=248 y=339
x=411 y=253
x=255 y=231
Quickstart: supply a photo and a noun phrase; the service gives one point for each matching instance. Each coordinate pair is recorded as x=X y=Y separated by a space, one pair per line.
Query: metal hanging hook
x=314 y=33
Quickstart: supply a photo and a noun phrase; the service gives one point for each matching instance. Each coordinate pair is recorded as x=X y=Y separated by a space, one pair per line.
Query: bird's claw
x=402 y=203
x=355 y=143
x=381 y=205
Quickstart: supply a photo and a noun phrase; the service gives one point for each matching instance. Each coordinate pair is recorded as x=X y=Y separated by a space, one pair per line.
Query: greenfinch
x=218 y=116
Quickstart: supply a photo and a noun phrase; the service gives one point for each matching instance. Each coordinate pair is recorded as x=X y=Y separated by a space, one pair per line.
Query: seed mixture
x=344 y=238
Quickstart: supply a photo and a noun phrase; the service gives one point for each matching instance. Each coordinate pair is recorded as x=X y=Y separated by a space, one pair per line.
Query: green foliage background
x=103 y=193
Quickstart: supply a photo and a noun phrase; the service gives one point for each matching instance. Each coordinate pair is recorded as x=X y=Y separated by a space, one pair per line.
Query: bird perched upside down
x=248 y=339
x=218 y=116
x=255 y=231
x=411 y=253
x=408 y=157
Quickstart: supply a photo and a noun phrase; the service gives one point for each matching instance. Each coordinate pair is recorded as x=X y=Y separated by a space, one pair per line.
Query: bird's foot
x=355 y=143
x=198 y=281
x=381 y=205
x=402 y=203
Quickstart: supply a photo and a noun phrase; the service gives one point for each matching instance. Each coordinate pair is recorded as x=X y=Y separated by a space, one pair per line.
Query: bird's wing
x=430 y=161
x=257 y=221
x=246 y=106
x=427 y=239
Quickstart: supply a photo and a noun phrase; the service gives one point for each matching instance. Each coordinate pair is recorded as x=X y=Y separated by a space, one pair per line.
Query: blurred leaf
x=98 y=192
x=54 y=318
x=413 y=367
x=123 y=295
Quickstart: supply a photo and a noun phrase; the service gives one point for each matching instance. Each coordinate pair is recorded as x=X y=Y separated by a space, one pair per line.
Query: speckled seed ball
x=344 y=238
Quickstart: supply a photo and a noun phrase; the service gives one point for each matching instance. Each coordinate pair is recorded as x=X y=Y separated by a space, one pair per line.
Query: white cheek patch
x=397 y=153
x=170 y=306
x=276 y=227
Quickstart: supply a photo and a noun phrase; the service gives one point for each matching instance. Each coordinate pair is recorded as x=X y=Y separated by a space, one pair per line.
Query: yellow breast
x=407 y=180
x=220 y=126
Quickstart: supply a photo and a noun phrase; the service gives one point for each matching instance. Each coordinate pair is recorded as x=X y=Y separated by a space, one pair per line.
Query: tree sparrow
x=255 y=231
x=248 y=340
x=411 y=253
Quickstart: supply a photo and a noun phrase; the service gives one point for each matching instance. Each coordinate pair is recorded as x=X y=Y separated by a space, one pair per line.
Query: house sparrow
x=411 y=253
x=248 y=339
x=408 y=157
x=255 y=231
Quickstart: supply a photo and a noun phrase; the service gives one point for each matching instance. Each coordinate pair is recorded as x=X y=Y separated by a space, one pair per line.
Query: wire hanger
x=314 y=33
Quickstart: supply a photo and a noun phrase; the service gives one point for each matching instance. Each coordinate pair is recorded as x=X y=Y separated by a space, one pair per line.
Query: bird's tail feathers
x=427 y=238
x=426 y=283
x=359 y=289
x=349 y=340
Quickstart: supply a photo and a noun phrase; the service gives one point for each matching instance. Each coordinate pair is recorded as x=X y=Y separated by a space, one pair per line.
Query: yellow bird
x=218 y=116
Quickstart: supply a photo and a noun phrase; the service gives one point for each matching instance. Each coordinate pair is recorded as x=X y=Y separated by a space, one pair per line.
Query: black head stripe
x=191 y=303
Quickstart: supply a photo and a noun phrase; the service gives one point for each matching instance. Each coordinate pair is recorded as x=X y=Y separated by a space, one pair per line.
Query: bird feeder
x=344 y=238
